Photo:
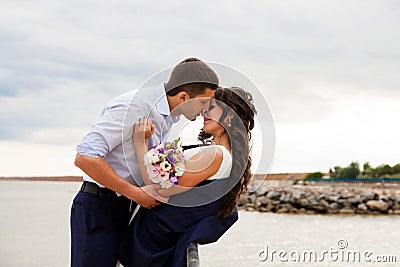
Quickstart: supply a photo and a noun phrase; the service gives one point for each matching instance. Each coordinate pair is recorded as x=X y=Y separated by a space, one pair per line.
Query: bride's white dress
x=226 y=164
x=159 y=236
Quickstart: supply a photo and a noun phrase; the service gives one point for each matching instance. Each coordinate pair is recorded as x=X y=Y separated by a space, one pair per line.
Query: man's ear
x=183 y=96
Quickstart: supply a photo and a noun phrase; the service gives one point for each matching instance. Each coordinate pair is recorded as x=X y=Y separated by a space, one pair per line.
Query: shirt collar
x=162 y=106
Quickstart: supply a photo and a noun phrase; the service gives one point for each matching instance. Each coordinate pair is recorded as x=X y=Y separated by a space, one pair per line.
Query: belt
x=94 y=189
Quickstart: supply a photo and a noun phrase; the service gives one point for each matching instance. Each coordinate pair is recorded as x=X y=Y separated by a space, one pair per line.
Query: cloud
x=62 y=61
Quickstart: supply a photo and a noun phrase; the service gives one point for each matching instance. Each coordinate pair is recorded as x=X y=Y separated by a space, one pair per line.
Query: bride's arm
x=197 y=169
x=143 y=129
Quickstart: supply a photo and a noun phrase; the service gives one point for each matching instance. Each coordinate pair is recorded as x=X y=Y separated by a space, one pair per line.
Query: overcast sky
x=328 y=69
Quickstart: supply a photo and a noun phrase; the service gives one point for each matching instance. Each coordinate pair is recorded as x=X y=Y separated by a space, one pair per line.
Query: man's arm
x=99 y=170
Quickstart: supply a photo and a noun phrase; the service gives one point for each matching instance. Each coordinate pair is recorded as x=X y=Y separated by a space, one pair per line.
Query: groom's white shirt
x=111 y=137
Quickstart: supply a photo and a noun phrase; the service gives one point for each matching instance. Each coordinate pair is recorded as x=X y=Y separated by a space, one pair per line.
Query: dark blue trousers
x=158 y=237
x=97 y=225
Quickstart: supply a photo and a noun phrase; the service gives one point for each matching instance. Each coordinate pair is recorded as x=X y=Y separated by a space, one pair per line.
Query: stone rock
x=320 y=209
x=333 y=198
x=302 y=210
x=287 y=206
x=320 y=196
x=261 y=191
x=378 y=205
x=343 y=203
x=324 y=203
x=362 y=209
x=282 y=210
x=296 y=195
x=249 y=205
x=334 y=206
x=312 y=201
x=384 y=198
x=396 y=206
x=285 y=198
x=347 y=195
x=243 y=200
x=304 y=202
x=252 y=198
x=346 y=211
x=308 y=194
x=365 y=196
x=275 y=202
x=354 y=200
x=250 y=209
x=396 y=212
x=263 y=209
x=333 y=211
x=274 y=195
x=264 y=200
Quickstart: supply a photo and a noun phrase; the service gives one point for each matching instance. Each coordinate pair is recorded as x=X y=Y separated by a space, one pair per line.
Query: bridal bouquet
x=165 y=163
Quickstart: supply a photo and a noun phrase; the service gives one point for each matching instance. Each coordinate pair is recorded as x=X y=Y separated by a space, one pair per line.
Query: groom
x=110 y=192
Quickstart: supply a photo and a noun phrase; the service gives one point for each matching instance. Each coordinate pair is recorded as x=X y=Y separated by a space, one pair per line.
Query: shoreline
x=295 y=199
x=324 y=200
x=43 y=178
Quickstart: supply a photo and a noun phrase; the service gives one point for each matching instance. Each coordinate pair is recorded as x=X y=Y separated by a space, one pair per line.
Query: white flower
x=151 y=157
x=160 y=146
x=159 y=168
x=165 y=166
x=154 y=174
x=180 y=169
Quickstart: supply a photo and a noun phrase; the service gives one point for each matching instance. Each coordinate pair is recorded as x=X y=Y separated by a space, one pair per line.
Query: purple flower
x=161 y=150
x=174 y=180
x=171 y=159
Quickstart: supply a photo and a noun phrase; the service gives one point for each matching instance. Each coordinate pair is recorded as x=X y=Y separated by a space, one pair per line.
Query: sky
x=329 y=71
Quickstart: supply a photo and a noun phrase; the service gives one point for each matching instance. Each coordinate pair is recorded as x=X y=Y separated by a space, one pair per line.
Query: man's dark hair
x=192 y=76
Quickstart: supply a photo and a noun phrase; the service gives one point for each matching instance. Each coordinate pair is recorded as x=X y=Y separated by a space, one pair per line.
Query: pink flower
x=157 y=168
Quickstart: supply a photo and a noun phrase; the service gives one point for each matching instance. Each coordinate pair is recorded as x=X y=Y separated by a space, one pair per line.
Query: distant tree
x=335 y=173
x=367 y=170
x=396 y=169
x=314 y=175
x=382 y=170
x=351 y=171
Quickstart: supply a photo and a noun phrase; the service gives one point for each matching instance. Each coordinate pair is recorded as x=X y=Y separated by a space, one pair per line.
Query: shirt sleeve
x=115 y=124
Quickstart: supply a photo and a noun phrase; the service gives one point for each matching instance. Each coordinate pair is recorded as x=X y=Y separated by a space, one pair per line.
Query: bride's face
x=211 y=119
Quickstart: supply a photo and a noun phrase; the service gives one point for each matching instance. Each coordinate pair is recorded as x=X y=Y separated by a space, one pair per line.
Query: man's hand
x=151 y=191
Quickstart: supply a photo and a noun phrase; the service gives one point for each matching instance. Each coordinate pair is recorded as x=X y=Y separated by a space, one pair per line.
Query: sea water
x=34 y=232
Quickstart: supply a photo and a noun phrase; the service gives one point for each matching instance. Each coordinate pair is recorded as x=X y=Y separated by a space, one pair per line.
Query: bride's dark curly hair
x=238 y=120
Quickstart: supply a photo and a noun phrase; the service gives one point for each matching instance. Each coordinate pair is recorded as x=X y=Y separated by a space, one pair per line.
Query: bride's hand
x=143 y=129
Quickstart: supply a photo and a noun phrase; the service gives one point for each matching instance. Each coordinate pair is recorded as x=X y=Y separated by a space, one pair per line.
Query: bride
x=159 y=236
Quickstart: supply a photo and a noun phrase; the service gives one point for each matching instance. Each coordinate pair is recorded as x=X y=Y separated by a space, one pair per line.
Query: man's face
x=194 y=106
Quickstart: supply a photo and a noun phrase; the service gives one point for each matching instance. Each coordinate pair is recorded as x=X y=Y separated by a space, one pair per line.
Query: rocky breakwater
x=321 y=200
